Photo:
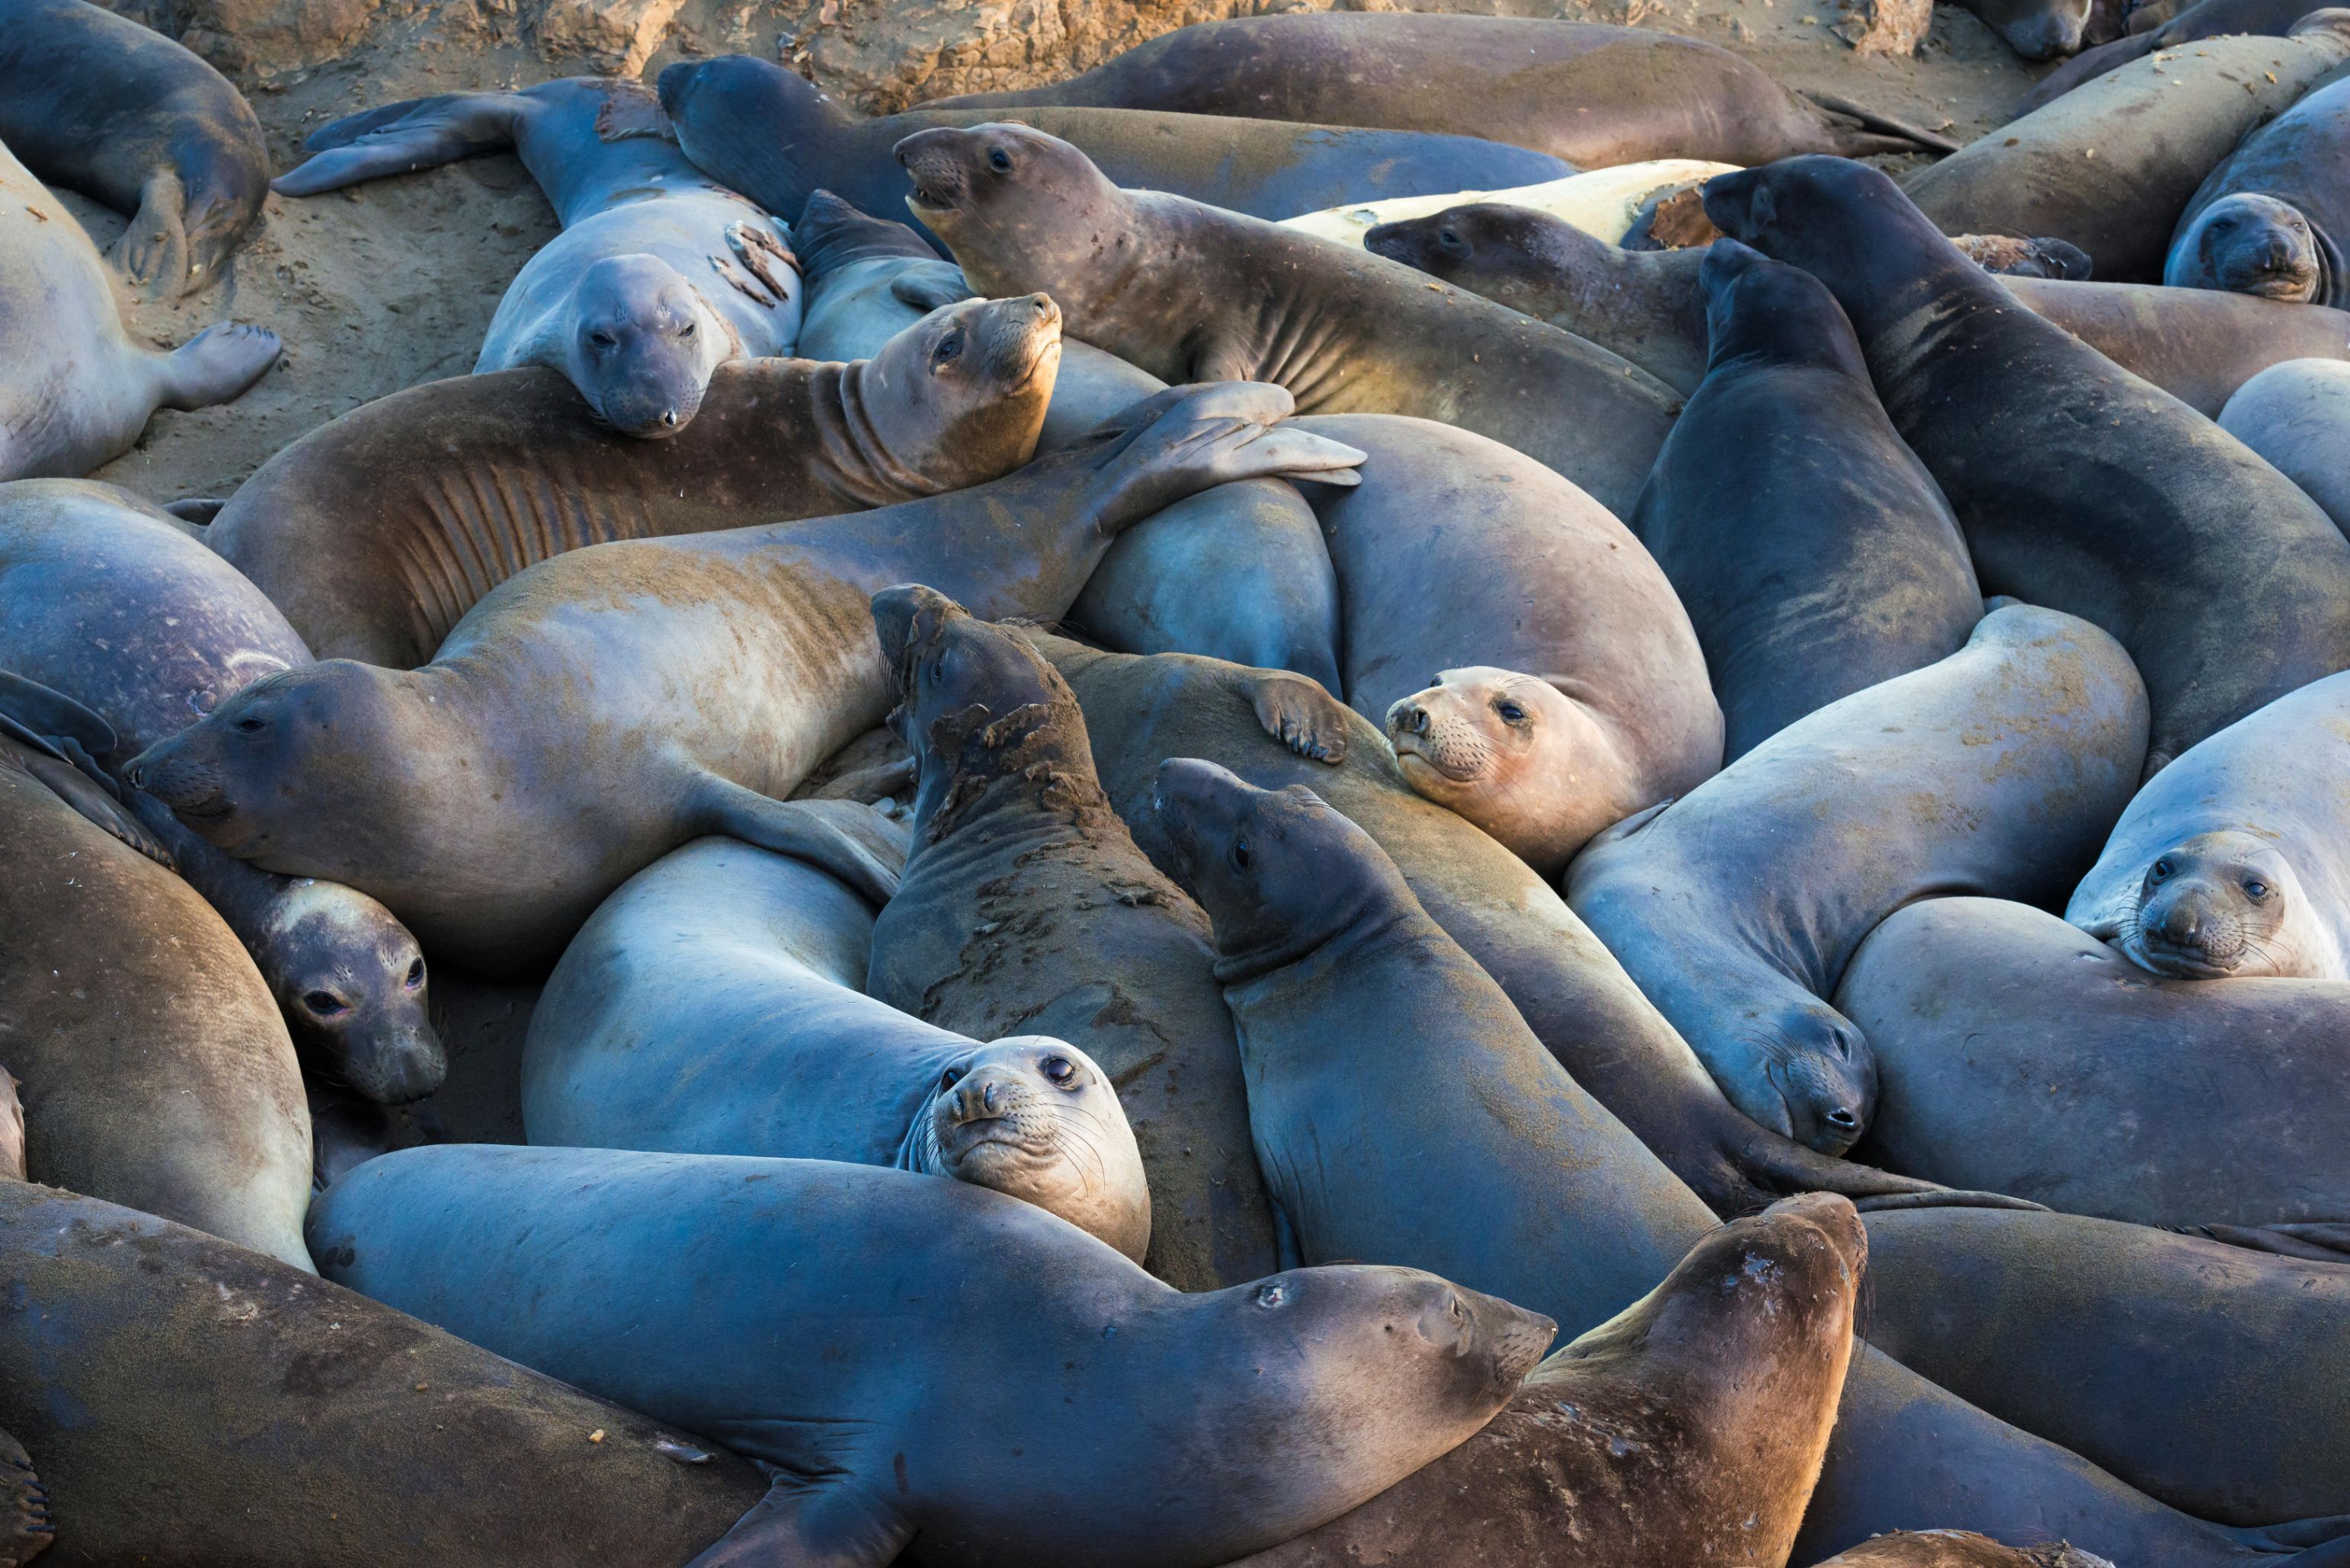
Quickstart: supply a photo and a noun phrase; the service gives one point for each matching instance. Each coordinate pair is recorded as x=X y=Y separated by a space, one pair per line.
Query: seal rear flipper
x=27 y=1526
x=218 y=365
x=401 y=138
x=2320 y=1543
x=854 y=842
x=1772 y=1167
x=800 y=1523
x=1900 y=136
x=1301 y=715
x=2317 y=1243
x=51 y=715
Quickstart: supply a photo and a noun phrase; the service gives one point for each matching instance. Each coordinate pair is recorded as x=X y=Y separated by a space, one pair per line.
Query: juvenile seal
x=99 y=104
x=1190 y=293
x=828 y=1316
x=74 y=391
x=1026 y=908
x=611 y=703
x=2266 y=220
x=658 y=277
x=106 y=600
x=773 y=136
x=716 y=1005
x=328 y=1428
x=378 y=531
x=2229 y=586
x=2230 y=863
x=1594 y=95
x=2296 y=415
x=1814 y=554
x=1738 y=906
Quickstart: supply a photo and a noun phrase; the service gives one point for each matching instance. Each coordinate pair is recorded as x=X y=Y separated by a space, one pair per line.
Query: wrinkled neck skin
x=1755 y=334
x=857 y=448
x=1364 y=927
x=985 y=779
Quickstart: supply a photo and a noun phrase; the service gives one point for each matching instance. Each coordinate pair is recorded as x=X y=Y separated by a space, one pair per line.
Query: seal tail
x=1898 y=136
x=398 y=138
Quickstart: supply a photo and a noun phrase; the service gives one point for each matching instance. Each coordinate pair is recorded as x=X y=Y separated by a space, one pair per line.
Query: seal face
x=2217 y=904
x=2250 y=244
x=642 y=345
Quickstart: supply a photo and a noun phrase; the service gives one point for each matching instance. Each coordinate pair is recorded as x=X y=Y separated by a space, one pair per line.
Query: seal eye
x=1060 y=1069
x=951 y=1077
x=1241 y=858
x=602 y=339
x=250 y=725
x=999 y=161
x=1510 y=712
x=2257 y=889
x=416 y=974
x=1451 y=241
x=948 y=350
x=324 y=1004
x=686 y=330
x=2161 y=868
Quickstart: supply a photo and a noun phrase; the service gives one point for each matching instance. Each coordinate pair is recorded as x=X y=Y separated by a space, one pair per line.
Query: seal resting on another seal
x=1737 y=907
x=716 y=1005
x=1026 y=908
x=2228 y=586
x=2297 y=416
x=2209 y=19
x=828 y=1319
x=96 y=102
x=378 y=531
x=1592 y=94
x=1957 y=1548
x=1191 y=292
x=1814 y=552
x=609 y=704
x=2265 y=222
x=2231 y=862
x=660 y=275
x=74 y=391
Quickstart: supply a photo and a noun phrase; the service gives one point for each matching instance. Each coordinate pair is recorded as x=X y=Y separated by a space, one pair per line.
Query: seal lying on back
x=328 y=1428
x=74 y=391
x=106 y=600
x=1957 y=1548
x=611 y=703
x=2266 y=220
x=1026 y=907
x=2236 y=860
x=99 y=104
x=716 y=1005
x=2111 y=165
x=2297 y=416
x=1816 y=555
x=1190 y=293
x=660 y=275
x=837 y=1321
x=1594 y=95
x=1737 y=907
x=378 y=531
x=773 y=136
x=2228 y=586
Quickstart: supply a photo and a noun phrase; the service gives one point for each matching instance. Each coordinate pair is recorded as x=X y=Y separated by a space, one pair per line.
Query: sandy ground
x=394 y=283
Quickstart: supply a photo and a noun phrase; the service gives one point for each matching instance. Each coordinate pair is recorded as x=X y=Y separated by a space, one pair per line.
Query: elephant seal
x=2208 y=20
x=1104 y=1385
x=658 y=277
x=2111 y=165
x=74 y=391
x=1606 y=203
x=1594 y=95
x=1277 y=602
x=1814 y=554
x=1740 y=1355
x=611 y=703
x=1957 y=1548
x=1572 y=692
x=378 y=532
x=2228 y=586
x=716 y=1005
x=2230 y=863
x=101 y=105
x=328 y=1428
x=1648 y=306
x=2036 y=29
x=1025 y=906
x=2265 y=222
x=154 y=1065
x=1738 y=906
x=772 y=135
x=1190 y=293
x=2015 y=1053
x=2296 y=415
x=106 y=600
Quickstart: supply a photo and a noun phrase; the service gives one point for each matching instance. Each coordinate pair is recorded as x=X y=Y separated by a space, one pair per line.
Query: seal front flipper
x=854 y=842
x=400 y=138
x=153 y=250
x=27 y=1527
x=55 y=739
x=2318 y=1241
x=926 y=286
x=1301 y=715
x=800 y=1523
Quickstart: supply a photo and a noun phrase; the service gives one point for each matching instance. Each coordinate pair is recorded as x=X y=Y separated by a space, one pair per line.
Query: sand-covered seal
x=2228 y=586
x=2230 y=863
x=2112 y=165
x=1191 y=292
x=1027 y=909
x=658 y=277
x=96 y=102
x=107 y=599
x=1592 y=94
x=2296 y=414
x=74 y=391
x=1814 y=552
x=776 y=137
x=611 y=703
x=2016 y=1053
x=291 y=1422
x=1995 y=771
x=378 y=531
x=2268 y=220
x=715 y=1004
x=825 y=1318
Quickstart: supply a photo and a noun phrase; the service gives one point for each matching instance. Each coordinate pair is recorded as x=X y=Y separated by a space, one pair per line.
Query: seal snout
x=932 y=159
x=190 y=785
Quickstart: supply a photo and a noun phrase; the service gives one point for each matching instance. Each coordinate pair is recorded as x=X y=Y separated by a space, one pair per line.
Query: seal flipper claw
x=27 y=1527
x=811 y=1524
x=852 y=841
x=152 y=252
x=1301 y=715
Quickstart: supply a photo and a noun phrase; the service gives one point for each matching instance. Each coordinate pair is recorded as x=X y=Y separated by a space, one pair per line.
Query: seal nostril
x=668 y=418
x=1842 y=1120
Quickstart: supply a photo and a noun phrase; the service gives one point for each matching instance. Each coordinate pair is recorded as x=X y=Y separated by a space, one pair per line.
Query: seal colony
x=1381 y=788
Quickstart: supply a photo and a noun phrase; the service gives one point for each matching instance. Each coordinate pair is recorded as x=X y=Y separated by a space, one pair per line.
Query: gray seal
x=660 y=275
x=2268 y=220
x=1736 y=908
x=2296 y=414
x=828 y=1319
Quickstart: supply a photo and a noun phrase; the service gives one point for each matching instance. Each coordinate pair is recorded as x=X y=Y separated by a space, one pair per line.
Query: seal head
x=997 y=189
x=975 y=376
x=2215 y=905
x=2255 y=245
x=1036 y=1119
x=351 y=981
x=1471 y=245
x=639 y=343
